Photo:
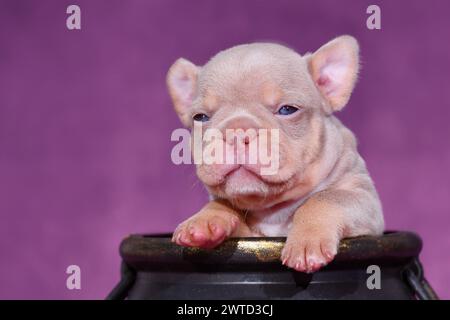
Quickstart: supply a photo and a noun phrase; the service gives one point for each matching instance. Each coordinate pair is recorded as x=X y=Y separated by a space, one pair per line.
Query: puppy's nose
x=243 y=129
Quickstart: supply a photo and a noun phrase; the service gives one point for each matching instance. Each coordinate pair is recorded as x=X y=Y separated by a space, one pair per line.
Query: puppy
x=321 y=191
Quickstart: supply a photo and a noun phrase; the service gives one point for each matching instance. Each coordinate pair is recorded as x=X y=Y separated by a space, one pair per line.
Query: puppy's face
x=263 y=90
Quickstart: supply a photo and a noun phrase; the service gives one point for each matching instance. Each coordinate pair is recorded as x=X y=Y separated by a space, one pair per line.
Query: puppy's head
x=268 y=89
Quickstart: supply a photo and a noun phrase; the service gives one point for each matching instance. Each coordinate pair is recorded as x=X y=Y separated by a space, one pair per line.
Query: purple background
x=85 y=123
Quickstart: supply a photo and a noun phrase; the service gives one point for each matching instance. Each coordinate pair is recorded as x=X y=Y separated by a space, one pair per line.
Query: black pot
x=249 y=268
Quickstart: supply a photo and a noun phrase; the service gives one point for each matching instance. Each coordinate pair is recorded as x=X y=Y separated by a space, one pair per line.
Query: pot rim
x=144 y=251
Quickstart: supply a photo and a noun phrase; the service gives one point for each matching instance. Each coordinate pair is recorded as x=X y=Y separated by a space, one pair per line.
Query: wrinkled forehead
x=263 y=73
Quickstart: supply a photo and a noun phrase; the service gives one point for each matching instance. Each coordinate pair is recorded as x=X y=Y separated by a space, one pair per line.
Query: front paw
x=205 y=230
x=309 y=253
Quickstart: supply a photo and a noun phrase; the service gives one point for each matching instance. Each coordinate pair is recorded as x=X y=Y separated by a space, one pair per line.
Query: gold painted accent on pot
x=263 y=250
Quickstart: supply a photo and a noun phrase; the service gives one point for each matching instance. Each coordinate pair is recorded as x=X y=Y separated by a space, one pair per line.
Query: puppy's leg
x=211 y=226
x=323 y=220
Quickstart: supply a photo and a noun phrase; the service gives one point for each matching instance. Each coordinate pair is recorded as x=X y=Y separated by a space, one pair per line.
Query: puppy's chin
x=243 y=183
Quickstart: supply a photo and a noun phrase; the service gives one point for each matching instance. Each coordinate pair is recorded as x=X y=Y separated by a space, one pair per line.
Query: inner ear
x=334 y=69
x=182 y=79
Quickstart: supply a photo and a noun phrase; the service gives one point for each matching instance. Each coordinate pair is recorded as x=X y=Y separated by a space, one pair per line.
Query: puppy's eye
x=200 y=117
x=287 y=110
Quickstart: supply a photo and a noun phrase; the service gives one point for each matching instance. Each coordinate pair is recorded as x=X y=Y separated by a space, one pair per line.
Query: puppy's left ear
x=334 y=69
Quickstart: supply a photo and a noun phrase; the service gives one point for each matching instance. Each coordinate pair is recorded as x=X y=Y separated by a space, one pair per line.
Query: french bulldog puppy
x=321 y=191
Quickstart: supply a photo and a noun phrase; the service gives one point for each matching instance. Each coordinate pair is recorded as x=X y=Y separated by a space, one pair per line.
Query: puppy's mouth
x=242 y=182
x=246 y=181
x=242 y=173
x=254 y=172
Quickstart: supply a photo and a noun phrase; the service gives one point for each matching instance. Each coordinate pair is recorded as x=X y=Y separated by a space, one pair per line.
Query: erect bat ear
x=334 y=69
x=182 y=84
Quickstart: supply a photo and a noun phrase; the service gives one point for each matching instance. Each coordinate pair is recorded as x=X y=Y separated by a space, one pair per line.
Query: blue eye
x=287 y=110
x=200 y=117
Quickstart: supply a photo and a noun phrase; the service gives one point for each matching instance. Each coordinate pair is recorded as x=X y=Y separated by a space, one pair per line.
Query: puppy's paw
x=309 y=253
x=205 y=230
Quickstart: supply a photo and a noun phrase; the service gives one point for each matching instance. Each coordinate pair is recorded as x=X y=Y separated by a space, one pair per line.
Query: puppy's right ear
x=182 y=84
